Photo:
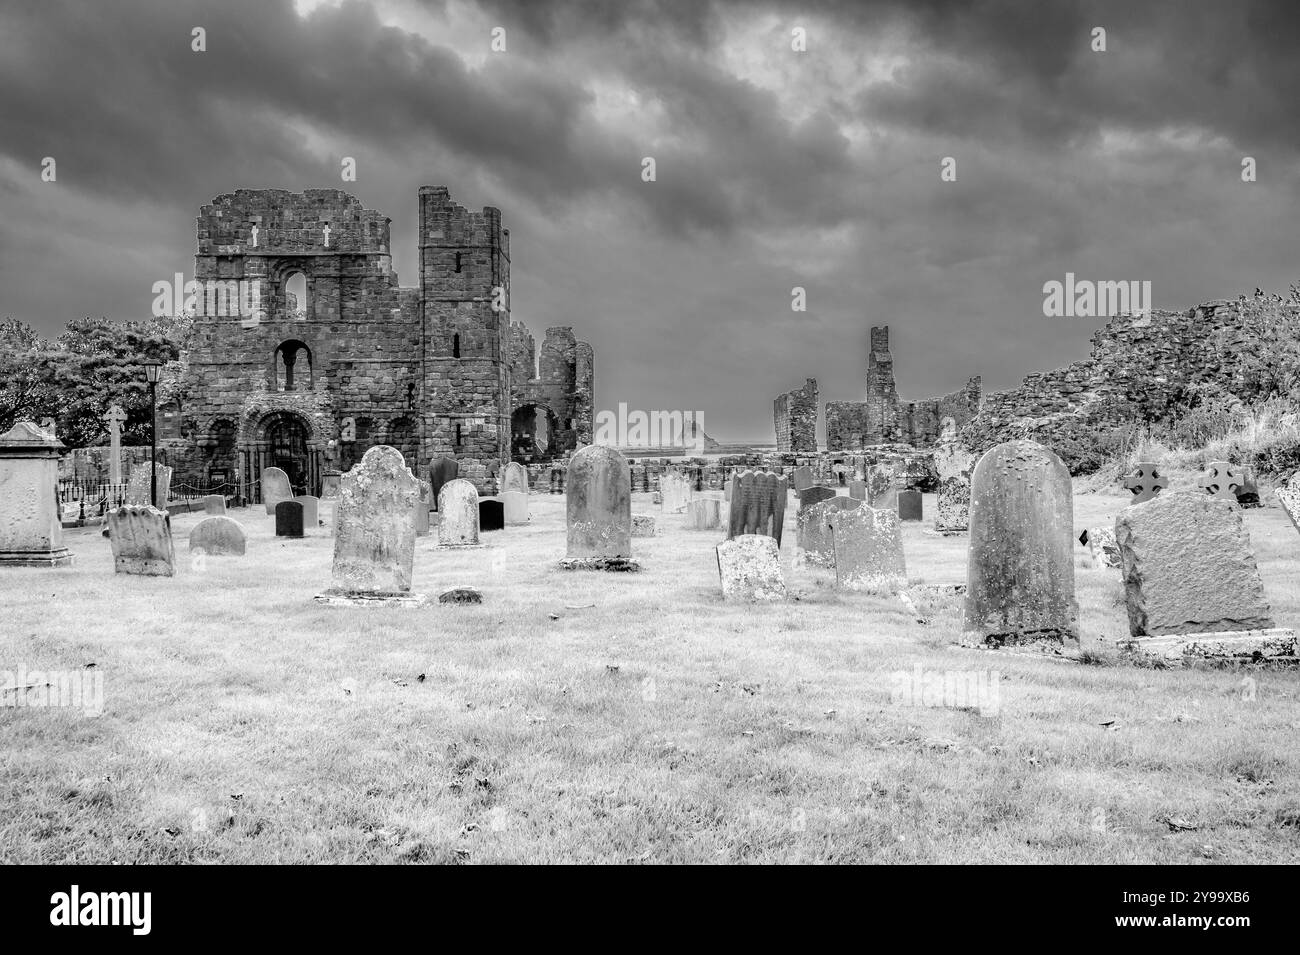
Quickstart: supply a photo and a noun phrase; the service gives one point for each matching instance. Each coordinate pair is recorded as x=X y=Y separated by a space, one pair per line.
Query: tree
x=27 y=387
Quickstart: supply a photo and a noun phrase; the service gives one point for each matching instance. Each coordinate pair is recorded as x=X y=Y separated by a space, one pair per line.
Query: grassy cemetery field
x=615 y=717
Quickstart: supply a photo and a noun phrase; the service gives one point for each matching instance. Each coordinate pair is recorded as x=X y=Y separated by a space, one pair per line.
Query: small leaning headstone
x=141 y=538
x=275 y=488
x=459 y=510
x=218 y=536
x=749 y=567
x=868 y=550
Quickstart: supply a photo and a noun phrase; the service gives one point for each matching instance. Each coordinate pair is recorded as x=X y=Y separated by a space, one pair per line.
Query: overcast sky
x=775 y=168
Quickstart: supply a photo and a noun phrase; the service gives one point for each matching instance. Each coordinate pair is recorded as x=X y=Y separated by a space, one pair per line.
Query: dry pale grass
x=585 y=717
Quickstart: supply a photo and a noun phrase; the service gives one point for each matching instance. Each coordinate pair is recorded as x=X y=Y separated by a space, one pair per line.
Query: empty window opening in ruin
x=455 y=345
x=293 y=367
x=295 y=297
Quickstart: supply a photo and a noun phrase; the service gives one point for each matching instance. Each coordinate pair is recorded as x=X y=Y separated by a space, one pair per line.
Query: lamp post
x=151 y=369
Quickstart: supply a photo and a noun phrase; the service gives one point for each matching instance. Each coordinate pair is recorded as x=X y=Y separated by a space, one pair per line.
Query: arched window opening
x=457 y=261
x=293 y=367
x=455 y=345
x=295 y=297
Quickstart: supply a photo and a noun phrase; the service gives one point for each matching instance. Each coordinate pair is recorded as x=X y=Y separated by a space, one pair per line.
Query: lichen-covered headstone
x=516 y=507
x=909 y=505
x=882 y=487
x=802 y=477
x=749 y=567
x=458 y=505
x=514 y=477
x=140 y=485
x=868 y=549
x=1191 y=583
x=141 y=537
x=703 y=514
x=813 y=527
x=31 y=534
x=275 y=488
x=757 y=504
x=443 y=470
x=1221 y=480
x=1289 y=497
x=954 y=465
x=218 y=536
x=374 y=532
x=598 y=511
x=1020 y=565
x=643 y=525
x=1100 y=542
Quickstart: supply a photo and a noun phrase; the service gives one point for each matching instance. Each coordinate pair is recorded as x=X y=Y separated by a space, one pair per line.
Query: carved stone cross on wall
x=255 y=231
x=327 y=236
x=1145 y=481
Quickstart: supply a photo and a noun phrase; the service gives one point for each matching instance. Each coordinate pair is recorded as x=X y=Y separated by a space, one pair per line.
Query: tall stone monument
x=30 y=532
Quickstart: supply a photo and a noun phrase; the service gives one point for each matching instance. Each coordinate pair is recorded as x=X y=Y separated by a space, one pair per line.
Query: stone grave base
x=952 y=531
x=880 y=585
x=1046 y=641
x=461 y=595
x=626 y=564
x=355 y=598
x=1226 y=646
x=54 y=558
x=459 y=546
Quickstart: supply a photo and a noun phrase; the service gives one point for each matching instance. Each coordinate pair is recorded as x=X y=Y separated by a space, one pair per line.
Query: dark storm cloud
x=772 y=171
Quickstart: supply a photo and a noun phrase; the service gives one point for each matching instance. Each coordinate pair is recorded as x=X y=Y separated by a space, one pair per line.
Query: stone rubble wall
x=795 y=416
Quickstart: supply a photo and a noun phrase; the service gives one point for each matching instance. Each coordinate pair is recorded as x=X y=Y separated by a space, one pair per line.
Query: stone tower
x=882 y=393
x=465 y=300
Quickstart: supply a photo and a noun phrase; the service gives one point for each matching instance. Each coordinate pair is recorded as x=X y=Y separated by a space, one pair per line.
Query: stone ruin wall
x=562 y=382
x=1138 y=360
x=795 y=416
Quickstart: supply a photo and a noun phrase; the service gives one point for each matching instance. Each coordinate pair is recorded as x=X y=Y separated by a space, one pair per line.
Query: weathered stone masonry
x=365 y=361
x=883 y=419
x=795 y=416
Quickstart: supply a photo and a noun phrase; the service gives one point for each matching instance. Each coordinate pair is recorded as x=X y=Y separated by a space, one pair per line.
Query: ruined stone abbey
x=339 y=357
x=880 y=418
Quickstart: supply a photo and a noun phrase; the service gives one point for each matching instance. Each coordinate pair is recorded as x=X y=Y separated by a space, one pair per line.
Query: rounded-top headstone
x=1020 y=566
x=598 y=504
x=442 y=470
x=275 y=488
x=218 y=536
x=458 y=505
x=514 y=477
x=374 y=525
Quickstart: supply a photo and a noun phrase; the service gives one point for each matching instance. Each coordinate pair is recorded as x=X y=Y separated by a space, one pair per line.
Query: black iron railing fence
x=94 y=498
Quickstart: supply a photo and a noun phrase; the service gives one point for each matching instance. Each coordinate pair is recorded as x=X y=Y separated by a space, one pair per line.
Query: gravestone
x=218 y=536
x=954 y=465
x=1192 y=587
x=909 y=505
x=757 y=504
x=704 y=514
x=214 y=504
x=516 y=507
x=868 y=550
x=491 y=514
x=802 y=477
x=458 y=507
x=815 y=495
x=138 y=488
x=275 y=488
x=1100 y=542
x=1020 y=564
x=514 y=477
x=813 y=526
x=461 y=595
x=598 y=511
x=288 y=519
x=443 y=470
x=31 y=534
x=1231 y=483
x=1248 y=492
x=374 y=533
x=141 y=537
x=310 y=511
x=423 y=501
x=676 y=490
x=882 y=487
x=115 y=417
x=1145 y=481
x=330 y=485
x=749 y=567
x=858 y=490
x=643 y=525
x=1289 y=497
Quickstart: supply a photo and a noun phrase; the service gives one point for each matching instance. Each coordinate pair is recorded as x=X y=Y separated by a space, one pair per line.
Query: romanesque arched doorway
x=285 y=440
x=532 y=433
